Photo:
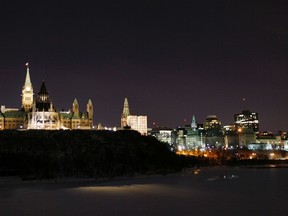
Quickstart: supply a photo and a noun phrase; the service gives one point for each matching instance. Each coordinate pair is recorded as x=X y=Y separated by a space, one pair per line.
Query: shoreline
x=14 y=180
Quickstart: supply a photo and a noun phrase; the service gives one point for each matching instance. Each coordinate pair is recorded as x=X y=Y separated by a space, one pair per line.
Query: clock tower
x=27 y=92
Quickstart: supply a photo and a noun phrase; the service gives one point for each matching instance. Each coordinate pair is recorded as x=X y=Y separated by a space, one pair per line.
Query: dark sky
x=172 y=59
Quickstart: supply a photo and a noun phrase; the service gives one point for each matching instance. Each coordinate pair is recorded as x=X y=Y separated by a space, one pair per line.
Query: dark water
x=209 y=191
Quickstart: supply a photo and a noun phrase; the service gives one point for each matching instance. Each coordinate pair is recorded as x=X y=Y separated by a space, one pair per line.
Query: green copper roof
x=14 y=114
x=75 y=116
x=66 y=115
x=84 y=116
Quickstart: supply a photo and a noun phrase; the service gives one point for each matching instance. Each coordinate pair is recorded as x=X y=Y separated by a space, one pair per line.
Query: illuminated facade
x=231 y=136
x=247 y=119
x=163 y=134
x=214 y=136
x=194 y=138
x=75 y=119
x=43 y=114
x=138 y=123
x=40 y=113
x=246 y=136
x=125 y=113
x=27 y=92
x=212 y=123
x=11 y=118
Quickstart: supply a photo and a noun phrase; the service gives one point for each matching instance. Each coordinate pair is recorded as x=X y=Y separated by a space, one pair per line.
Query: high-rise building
x=212 y=123
x=214 y=136
x=247 y=119
x=138 y=123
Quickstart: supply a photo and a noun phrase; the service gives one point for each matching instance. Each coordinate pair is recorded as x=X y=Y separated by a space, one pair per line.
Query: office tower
x=247 y=119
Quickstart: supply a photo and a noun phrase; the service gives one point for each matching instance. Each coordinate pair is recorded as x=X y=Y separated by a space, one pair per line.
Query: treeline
x=40 y=154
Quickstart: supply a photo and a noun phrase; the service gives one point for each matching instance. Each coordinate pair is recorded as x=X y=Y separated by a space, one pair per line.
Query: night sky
x=171 y=59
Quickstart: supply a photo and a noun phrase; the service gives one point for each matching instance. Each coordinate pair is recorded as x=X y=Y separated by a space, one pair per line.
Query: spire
x=27 y=91
x=75 y=102
x=89 y=106
x=90 y=102
x=51 y=107
x=76 y=107
x=27 y=79
x=193 y=123
x=43 y=94
x=126 y=111
x=90 y=112
x=125 y=114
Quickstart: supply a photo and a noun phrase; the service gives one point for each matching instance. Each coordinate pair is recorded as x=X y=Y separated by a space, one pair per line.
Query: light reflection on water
x=208 y=191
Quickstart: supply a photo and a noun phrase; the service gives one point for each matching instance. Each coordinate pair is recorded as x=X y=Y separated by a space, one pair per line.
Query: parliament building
x=39 y=112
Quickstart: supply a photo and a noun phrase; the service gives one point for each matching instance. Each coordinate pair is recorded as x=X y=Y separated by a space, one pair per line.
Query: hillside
x=35 y=154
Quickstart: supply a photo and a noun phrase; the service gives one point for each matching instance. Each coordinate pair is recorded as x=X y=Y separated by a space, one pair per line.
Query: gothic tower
x=90 y=112
x=76 y=107
x=27 y=92
x=43 y=95
x=193 y=123
x=126 y=112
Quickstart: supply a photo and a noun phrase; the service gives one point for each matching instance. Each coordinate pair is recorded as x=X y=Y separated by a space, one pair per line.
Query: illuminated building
x=231 y=136
x=212 y=123
x=11 y=118
x=247 y=119
x=41 y=113
x=194 y=137
x=138 y=123
x=269 y=138
x=214 y=136
x=181 y=134
x=1 y=121
x=75 y=119
x=285 y=144
x=125 y=113
x=163 y=134
x=246 y=136
x=27 y=92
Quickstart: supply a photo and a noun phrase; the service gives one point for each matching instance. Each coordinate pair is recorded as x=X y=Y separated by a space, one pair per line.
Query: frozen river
x=209 y=191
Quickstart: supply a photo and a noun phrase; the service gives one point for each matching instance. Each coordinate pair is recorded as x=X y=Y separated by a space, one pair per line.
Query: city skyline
x=29 y=95
x=171 y=60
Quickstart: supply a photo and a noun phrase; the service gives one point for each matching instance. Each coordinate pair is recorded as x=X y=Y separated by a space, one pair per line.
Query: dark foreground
x=209 y=191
